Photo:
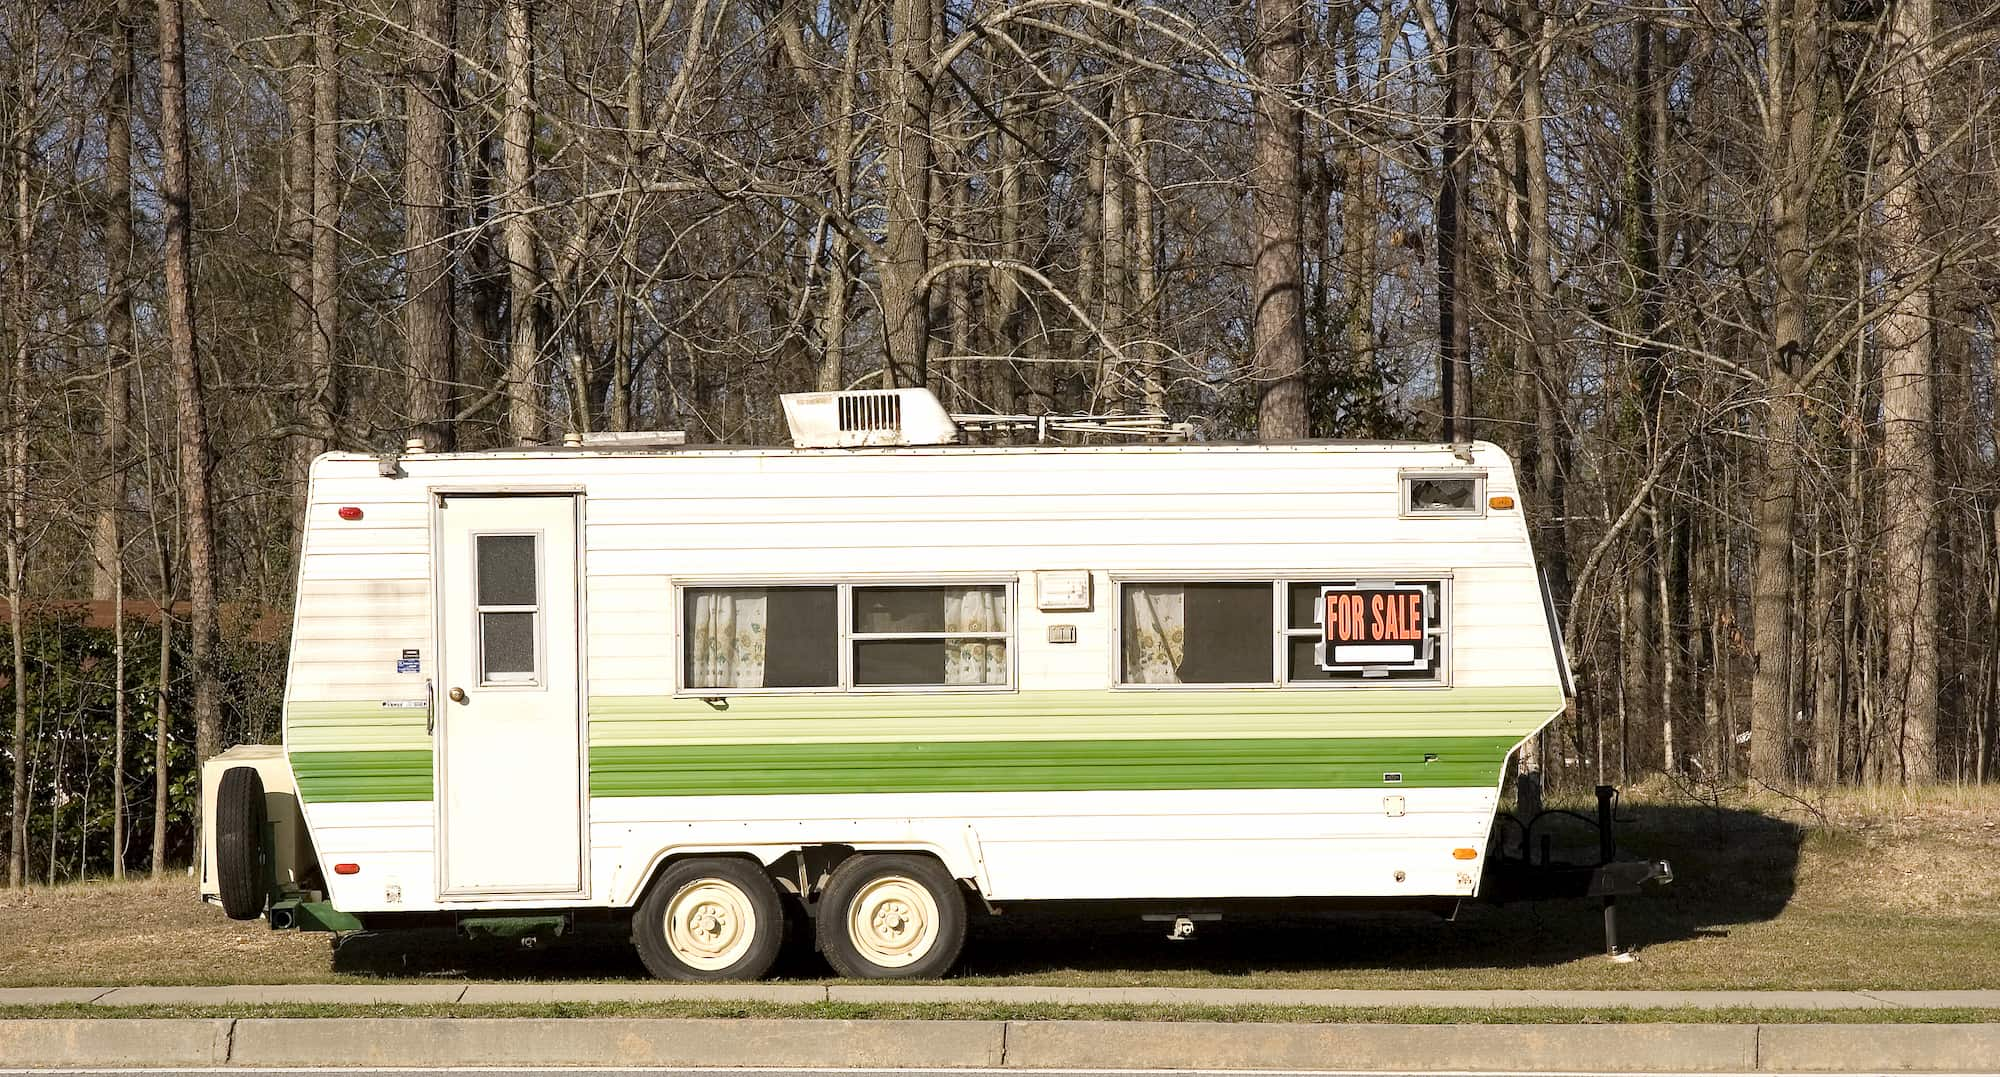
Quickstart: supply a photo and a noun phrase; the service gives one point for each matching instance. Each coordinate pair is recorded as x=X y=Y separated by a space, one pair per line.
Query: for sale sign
x=1374 y=626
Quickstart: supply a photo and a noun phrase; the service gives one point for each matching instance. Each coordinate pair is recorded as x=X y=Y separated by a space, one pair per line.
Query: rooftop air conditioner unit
x=866 y=418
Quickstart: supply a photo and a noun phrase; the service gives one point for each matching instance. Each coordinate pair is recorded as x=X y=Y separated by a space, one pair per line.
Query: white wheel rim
x=710 y=924
x=893 y=921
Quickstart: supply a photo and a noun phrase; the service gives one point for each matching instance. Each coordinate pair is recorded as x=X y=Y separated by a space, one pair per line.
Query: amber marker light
x=347 y=869
x=349 y=512
x=1502 y=502
x=1465 y=854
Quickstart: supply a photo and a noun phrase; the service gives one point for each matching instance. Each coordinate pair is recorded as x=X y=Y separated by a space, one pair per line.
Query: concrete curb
x=97 y=1042
x=404 y=1042
x=614 y=1041
x=1864 y=1048
x=1535 y=1048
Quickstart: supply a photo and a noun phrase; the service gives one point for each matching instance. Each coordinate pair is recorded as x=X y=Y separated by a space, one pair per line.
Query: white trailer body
x=529 y=679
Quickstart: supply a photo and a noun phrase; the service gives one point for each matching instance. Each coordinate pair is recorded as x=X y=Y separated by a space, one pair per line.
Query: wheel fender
x=958 y=858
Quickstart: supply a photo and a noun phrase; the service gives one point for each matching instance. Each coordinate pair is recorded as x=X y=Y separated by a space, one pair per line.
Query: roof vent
x=867 y=418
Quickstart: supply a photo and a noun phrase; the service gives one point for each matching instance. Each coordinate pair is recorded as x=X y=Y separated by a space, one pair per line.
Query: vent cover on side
x=865 y=418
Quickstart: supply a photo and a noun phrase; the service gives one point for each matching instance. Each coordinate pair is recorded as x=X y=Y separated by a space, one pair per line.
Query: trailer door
x=510 y=764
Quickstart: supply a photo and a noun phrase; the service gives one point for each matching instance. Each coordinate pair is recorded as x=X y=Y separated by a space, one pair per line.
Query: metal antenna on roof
x=1143 y=425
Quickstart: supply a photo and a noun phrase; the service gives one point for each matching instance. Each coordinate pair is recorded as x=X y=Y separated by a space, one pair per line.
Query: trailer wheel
x=708 y=920
x=239 y=843
x=891 y=916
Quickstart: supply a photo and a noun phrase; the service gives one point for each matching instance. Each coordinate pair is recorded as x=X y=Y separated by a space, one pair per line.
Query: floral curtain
x=975 y=661
x=1155 y=633
x=726 y=639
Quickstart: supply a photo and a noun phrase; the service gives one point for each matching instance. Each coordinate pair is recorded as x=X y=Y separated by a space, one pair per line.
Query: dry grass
x=1851 y=890
x=959 y=1011
x=136 y=932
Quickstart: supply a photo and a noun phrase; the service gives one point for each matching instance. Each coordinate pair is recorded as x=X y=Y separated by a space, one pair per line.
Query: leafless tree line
x=1720 y=275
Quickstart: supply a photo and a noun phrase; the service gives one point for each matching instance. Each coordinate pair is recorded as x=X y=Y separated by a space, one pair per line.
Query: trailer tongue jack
x=1522 y=875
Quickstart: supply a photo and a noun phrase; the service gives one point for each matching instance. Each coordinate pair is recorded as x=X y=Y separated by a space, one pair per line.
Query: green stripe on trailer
x=1170 y=714
x=356 y=725
x=1047 y=766
x=971 y=741
x=351 y=777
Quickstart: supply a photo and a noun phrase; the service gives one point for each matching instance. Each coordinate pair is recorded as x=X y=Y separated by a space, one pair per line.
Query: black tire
x=738 y=893
x=877 y=879
x=239 y=843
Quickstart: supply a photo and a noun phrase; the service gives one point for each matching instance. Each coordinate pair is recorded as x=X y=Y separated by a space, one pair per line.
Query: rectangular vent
x=871 y=413
x=870 y=418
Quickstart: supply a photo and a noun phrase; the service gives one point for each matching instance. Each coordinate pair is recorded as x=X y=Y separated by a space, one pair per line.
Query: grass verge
x=1851 y=889
x=850 y=1011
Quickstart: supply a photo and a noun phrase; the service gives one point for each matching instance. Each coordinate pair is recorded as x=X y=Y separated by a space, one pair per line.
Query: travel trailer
x=876 y=677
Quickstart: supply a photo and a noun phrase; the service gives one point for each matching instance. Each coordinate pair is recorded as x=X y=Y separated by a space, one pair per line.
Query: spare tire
x=239 y=843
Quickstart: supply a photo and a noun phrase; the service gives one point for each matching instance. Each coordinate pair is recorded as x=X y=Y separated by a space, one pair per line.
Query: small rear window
x=1430 y=493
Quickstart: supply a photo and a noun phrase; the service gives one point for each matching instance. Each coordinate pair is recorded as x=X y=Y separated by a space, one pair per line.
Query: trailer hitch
x=1527 y=877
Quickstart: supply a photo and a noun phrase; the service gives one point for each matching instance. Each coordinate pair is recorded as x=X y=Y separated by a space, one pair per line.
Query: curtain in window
x=975 y=661
x=1155 y=633
x=726 y=643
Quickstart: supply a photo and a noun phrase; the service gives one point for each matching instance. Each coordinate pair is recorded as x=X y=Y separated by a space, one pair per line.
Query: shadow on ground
x=1732 y=868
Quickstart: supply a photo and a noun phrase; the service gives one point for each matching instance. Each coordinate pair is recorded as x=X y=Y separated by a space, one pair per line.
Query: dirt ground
x=1850 y=891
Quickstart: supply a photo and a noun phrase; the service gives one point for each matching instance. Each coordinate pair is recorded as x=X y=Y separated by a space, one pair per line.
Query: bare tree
x=119 y=357
x=907 y=195
x=1909 y=446
x=1794 y=34
x=523 y=270
x=322 y=400
x=190 y=410
x=1455 y=166
x=1278 y=326
x=21 y=310
x=431 y=347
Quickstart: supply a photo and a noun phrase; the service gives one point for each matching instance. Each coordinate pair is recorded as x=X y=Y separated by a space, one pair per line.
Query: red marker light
x=347 y=869
x=349 y=512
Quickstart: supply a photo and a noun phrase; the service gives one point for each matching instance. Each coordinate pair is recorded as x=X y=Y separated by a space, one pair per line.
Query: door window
x=510 y=614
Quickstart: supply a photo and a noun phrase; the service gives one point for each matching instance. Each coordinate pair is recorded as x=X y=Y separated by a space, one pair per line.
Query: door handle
x=458 y=695
x=430 y=708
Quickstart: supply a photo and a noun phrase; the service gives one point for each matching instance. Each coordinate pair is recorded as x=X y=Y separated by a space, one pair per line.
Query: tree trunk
x=1792 y=85
x=1145 y=319
x=1823 y=665
x=190 y=414
x=1668 y=640
x=431 y=339
x=1006 y=303
x=1645 y=651
x=1909 y=443
x=119 y=356
x=107 y=561
x=1454 y=316
x=523 y=268
x=301 y=134
x=22 y=316
x=1114 y=250
x=322 y=400
x=907 y=196
x=1550 y=373
x=162 y=731
x=1277 y=297
x=118 y=709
